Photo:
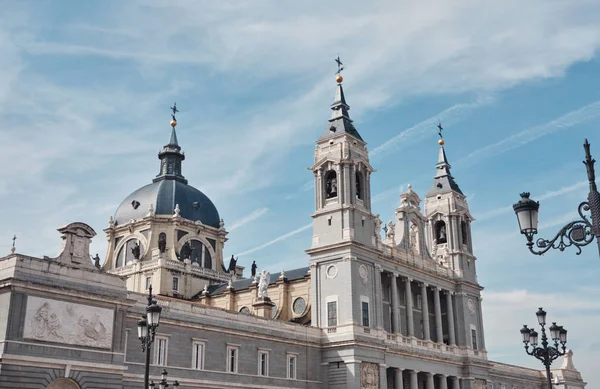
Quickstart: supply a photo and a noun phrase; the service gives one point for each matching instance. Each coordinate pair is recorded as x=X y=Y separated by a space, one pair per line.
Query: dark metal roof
x=164 y=195
x=168 y=190
x=340 y=121
x=443 y=181
x=291 y=275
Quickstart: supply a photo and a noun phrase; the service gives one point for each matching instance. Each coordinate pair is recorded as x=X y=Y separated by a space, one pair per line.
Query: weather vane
x=175 y=110
x=340 y=65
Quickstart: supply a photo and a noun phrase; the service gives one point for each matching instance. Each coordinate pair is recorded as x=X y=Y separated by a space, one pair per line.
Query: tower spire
x=443 y=180
x=171 y=155
x=340 y=121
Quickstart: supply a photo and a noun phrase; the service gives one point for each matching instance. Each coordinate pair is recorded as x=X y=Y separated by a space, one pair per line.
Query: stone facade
x=393 y=309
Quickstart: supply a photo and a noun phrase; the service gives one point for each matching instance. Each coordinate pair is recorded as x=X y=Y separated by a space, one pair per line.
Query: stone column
x=455 y=383
x=439 y=334
x=430 y=384
x=319 y=189
x=409 y=306
x=383 y=377
x=443 y=382
x=377 y=304
x=425 y=311
x=398 y=379
x=451 y=332
x=394 y=305
x=414 y=382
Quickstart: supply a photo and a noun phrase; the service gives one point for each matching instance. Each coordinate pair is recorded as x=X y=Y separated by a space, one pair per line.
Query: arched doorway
x=63 y=383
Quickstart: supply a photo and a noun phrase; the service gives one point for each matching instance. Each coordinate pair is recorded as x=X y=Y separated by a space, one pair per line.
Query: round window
x=299 y=306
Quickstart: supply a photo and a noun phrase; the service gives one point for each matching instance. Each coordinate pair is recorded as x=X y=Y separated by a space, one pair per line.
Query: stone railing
x=416 y=261
x=400 y=342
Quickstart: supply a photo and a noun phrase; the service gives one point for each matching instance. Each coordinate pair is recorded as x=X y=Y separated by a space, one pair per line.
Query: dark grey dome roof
x=164 y=195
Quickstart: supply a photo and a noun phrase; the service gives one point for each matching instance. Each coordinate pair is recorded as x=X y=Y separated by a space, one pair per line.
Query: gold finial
x=340 y=66
x=175 y=110
x=441 y=142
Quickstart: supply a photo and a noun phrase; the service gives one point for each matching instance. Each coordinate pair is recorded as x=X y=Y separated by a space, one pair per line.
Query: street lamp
x=163 y=382
x=147 y=329
x=545 y=353
x=577 y=233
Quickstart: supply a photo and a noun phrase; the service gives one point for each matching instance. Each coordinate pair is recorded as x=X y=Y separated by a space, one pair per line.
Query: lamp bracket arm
x=577 y=233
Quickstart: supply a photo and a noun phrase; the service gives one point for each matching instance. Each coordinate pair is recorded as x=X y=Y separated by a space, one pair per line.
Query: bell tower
x=449 y=221
x=342 y=175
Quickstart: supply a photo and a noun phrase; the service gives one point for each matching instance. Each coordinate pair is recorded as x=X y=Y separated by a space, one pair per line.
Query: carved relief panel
x=369 y=376
x=69 y=323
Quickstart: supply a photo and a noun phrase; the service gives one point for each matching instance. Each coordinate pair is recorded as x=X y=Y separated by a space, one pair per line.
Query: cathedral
x=378 y=305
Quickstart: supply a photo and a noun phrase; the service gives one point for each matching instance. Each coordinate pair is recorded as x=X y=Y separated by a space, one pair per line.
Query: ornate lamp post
x=163 y=382
x=577 y=233
x=545 y=353
x=147 y=329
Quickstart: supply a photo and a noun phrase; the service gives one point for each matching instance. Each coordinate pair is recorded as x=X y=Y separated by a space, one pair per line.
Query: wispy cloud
x=545 y=196
x=278 y=239
x=427 y=127
x=581 y=115
x=248 y=218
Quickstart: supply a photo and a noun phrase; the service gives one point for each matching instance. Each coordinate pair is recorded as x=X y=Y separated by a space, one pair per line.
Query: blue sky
x=85 y=89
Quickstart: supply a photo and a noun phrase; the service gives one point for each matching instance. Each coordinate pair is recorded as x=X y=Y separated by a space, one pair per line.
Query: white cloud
x=564 y=122
x=248 y=218
x=277 y=239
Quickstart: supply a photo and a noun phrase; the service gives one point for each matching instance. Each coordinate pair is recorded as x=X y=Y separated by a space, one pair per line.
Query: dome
x=164 y=195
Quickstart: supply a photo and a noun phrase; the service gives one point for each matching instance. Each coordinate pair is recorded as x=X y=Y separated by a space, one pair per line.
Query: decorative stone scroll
x=69 y=323
x=369 y=376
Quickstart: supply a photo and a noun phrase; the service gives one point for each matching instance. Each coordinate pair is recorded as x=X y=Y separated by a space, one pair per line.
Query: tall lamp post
x=147 y=329
x=162 y=384
x=577 y=233
x=545 y=353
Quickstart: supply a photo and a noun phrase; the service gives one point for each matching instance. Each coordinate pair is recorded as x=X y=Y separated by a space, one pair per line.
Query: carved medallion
x=369 y=376
x=331 y=271
x=471 y=305
x=362 y=272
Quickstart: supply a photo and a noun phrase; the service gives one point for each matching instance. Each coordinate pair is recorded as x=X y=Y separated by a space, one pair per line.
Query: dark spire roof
x=443 y=181
x=340 y=121
x=171 y=157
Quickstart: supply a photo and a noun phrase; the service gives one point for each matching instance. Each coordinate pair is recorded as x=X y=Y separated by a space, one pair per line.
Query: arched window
x=132 y=250
x=196 y=252
x=440 y=232
x=463 y=228
x=359 y=185
x=331 y=186
x=63 y=383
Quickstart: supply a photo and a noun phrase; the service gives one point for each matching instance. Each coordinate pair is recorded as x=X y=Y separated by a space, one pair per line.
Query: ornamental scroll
x=369 y=376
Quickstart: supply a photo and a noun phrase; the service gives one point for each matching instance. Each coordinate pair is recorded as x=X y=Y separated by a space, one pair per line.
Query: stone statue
x=162 y=243
x=232 y=264
x=377 y=222
x=96 y=261
x=185 y=252
x=111 y=222
x=136 y=250
x=390 y=230
x=150 y=210
x=222 y=224
x=253 y=268
x=263 y=284
x=443 y=233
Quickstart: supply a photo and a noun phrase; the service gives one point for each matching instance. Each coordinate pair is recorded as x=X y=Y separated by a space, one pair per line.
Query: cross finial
x=340 y=65
x=175 y=110
x=12 y=250
x=440 y=129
